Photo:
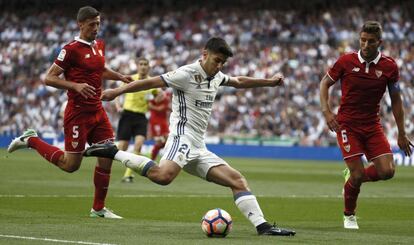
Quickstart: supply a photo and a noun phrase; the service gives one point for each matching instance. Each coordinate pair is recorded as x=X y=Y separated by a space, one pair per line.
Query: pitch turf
x=39 y=201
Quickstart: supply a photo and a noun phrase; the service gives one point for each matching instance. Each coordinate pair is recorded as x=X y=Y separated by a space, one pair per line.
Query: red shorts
x=358 y=139
x=159 y=129
x=91 y=127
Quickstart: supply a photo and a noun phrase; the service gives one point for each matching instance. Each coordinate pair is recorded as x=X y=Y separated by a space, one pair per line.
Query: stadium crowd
x=300 y=44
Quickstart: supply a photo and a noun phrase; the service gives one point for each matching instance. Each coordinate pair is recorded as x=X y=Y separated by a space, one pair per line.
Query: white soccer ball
x=216 y=223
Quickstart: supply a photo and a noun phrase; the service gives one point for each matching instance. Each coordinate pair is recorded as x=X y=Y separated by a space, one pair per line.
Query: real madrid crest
x=198 y=79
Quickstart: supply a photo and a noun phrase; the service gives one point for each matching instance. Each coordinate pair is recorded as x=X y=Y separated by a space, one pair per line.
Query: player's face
x=213 y=62
x=369 y=44
x=143 y=67
x=89 y=28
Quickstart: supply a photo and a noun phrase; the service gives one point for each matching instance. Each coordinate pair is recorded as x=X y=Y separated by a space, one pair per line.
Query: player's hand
x=109 y=94
x=278 y=80
x=331 y=121
x=84 y=89
x=127 y=79
x=405 y=144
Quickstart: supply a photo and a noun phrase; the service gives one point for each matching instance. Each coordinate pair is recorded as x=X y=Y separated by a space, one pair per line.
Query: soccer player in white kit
x=194 y=89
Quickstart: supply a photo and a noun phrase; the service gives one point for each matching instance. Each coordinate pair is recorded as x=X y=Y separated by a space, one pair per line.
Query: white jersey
x=193 y=97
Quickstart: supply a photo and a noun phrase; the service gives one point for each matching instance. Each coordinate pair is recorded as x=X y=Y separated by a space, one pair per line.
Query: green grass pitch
x=38 y=201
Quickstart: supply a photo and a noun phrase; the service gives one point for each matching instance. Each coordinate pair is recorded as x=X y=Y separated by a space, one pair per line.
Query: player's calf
x=139 y=164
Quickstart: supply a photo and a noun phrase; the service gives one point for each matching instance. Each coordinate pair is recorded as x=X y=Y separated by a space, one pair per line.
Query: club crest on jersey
x=198 y=79
x=61 y=55
x=74 y=144
x=87 y=56
x=347 y=148
x=356 y=69
x=378 y=73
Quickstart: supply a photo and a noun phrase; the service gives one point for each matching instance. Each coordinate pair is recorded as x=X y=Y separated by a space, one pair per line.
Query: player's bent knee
x=70 y=169
x=357 y=177
x=386 y=174
x=165 y=178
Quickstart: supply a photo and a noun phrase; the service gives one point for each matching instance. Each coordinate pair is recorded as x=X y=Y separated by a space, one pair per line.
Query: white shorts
x=194 y=160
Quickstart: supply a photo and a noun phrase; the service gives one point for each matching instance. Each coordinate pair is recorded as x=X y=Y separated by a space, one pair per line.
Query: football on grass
x=216 y=223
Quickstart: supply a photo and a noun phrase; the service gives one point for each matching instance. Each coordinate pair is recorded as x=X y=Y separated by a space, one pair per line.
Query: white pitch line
x=193 y=196
x=53 y=240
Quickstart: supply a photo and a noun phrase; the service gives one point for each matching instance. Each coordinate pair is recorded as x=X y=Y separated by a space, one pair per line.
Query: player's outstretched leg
x=139 y=164
x=21 y=141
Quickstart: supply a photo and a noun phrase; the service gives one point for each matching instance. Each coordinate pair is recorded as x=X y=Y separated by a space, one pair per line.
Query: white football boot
x=350 y=222
x=104 y=213
x=21 y=141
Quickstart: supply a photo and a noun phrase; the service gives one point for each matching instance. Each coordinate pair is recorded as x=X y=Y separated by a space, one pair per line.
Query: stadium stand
x=266 y=37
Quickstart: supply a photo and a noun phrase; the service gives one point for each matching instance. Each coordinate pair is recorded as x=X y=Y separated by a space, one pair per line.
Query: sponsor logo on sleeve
x=61 y=55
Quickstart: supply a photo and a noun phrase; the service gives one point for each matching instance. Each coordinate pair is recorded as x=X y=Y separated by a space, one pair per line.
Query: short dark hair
x=218 y=45
x=141 y=58
x=86 y=13
x=372 y=27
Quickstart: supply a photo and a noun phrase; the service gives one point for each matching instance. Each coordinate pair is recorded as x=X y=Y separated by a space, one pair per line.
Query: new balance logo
x=356 y=69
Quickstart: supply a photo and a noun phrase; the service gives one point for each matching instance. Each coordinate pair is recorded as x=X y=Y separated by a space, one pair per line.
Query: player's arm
x=154 y=82
x=398 y=111
x=330 y=117
x=250 y=82
x=109 y=74
x=53 y=79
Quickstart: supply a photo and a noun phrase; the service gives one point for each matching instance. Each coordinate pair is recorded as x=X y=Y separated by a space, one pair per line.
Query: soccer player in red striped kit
x=82 y=62
x=364 y=76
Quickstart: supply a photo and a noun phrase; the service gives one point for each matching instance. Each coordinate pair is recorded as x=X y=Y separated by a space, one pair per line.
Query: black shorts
x=131 y=124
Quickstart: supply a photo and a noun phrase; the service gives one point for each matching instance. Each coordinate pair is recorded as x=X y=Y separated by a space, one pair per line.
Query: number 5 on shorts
x=75 y=131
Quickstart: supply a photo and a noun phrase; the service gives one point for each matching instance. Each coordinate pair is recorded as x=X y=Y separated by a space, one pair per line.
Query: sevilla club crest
x=347 y=147
x=74 y=144
x=378 y=73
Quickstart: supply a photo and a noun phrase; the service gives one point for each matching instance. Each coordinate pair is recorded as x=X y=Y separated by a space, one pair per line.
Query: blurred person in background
x=159 y=109
x=133 y=121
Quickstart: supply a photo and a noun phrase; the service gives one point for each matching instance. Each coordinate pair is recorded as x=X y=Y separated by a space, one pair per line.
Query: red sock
x=101 y=181
x=350 y=197
x=156 y=149
x=371 y=174
x=49 y=152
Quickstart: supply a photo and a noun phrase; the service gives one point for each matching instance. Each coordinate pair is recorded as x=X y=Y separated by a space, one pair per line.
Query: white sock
x=131 y=160
x=248 y=205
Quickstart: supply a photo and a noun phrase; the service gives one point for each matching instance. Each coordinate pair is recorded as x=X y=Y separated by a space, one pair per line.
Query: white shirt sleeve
x=224 y=79
x=178 y=79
